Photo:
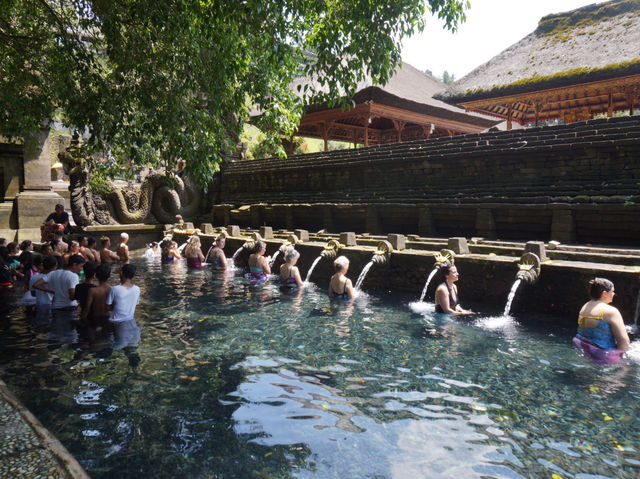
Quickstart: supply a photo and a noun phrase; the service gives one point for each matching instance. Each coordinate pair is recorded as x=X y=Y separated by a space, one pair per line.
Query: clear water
x=241 y=381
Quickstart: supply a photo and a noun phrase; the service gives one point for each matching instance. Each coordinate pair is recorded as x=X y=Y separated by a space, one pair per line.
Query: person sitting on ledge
x=340 y=287
x=193 y=253
x=218 y=258
x=447 y=300
x=259 y=264
x=60 y=219
x=599 y=323
x=289 y=272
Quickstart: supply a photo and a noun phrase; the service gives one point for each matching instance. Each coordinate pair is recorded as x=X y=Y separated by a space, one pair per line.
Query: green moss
x=564 y=78
x=563 y=23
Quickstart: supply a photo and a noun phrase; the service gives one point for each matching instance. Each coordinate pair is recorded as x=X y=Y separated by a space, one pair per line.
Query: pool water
x=232 y=380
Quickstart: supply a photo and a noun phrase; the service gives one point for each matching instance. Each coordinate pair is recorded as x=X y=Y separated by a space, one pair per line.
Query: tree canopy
x=151 y=81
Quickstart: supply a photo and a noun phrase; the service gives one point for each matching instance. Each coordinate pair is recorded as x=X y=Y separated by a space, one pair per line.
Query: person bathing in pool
x=447 y=300
x=340 y=287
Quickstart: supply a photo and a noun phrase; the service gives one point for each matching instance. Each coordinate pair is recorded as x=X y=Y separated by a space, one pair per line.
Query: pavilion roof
x=408 y=89
x=589 y=44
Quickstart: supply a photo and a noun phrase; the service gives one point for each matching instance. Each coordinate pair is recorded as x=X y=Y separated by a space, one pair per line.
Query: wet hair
x=76 y=259
x=445 y=269
x=49 y=263
x=341 y=263
x=260 y=245
x=81 y=237
x=220 y=239
x=12 y=246
x=128 y=271
x=124 y=236
x=103 y=272
x=91 y=241
x=291 y=255
x=89 y=269
x=25 y=244
x=104 y=240
x=597 y=286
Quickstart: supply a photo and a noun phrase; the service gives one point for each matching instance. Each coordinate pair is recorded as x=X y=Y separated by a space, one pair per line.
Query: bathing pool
x=231 y=380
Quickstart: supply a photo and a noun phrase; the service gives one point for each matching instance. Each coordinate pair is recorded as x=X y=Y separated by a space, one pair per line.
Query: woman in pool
x=289 y=272
x=193 y=253
x=446 y=299
x=340 y=286
x=170 y=252
x=152 y=252
x=259 y=264
x=218 y=258
x=600 y=324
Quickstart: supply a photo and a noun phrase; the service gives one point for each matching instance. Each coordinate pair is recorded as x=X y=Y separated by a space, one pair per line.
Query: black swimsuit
x=453 y=303
x=343 y=295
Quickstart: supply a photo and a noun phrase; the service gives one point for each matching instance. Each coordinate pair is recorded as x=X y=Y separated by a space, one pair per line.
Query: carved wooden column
x=399 y=126
x=509 y=115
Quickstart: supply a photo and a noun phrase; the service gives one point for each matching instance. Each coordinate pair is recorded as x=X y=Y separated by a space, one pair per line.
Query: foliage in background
x=149 y=82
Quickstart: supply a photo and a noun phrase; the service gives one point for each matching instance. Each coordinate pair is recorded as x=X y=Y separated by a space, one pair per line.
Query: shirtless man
x=84 y=249
x=91 y=246
x=96 y=311
x=123 y=249
x=62 y=246
x=106 y=255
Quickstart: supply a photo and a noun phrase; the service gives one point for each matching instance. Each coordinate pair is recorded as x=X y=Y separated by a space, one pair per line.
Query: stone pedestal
x=266 y=232
x=303 y=235
x=348 y=239
x=233 y=230
x=458 y=245
x=37 y=199
x=537 y=248
x=397 y=241
x=206 y=228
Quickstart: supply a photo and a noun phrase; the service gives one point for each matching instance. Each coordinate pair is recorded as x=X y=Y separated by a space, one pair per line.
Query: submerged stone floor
x=27 y=449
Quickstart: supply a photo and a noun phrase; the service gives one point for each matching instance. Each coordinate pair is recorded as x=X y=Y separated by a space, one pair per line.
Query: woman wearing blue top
x=599 y=323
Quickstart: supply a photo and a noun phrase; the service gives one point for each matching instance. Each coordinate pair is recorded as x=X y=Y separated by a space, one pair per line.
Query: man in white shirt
x=123 y=299
x=62 y=283
x=43 y=299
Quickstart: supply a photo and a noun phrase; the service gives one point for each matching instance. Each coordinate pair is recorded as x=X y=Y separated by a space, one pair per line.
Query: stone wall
x=577 y=182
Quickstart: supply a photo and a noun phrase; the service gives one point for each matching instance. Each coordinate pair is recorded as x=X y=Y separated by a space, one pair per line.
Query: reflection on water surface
x=235 y=380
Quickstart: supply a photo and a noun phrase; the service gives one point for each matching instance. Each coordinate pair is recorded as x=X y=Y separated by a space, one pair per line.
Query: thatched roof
x=591 y=43
x=409 y=89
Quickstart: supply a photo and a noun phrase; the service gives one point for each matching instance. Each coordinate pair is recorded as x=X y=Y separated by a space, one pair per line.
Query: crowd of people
x=67 y=290
x=66 y=287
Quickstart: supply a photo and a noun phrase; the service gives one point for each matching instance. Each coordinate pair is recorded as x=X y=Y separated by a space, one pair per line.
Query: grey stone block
x=233 y=230
x=266 y=232
x=537 y=248
x=397 y=241
x=458 y=245
x=348 y=239
x=303 y=235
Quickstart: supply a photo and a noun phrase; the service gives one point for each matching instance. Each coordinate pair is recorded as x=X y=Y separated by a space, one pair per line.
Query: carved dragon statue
x=150 y=202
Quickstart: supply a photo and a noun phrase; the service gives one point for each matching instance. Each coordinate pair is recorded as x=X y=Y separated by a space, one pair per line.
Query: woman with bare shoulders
x=447 y=300
x=193 y=253
x=340 y=287
x=599 y=323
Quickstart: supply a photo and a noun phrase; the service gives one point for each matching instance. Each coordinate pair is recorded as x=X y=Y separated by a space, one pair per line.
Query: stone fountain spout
x=528 y=268
x=382 y=254
x=331 y=249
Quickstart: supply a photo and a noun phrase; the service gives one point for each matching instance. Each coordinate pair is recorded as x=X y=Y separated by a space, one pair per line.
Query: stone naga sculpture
x=151 y=202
